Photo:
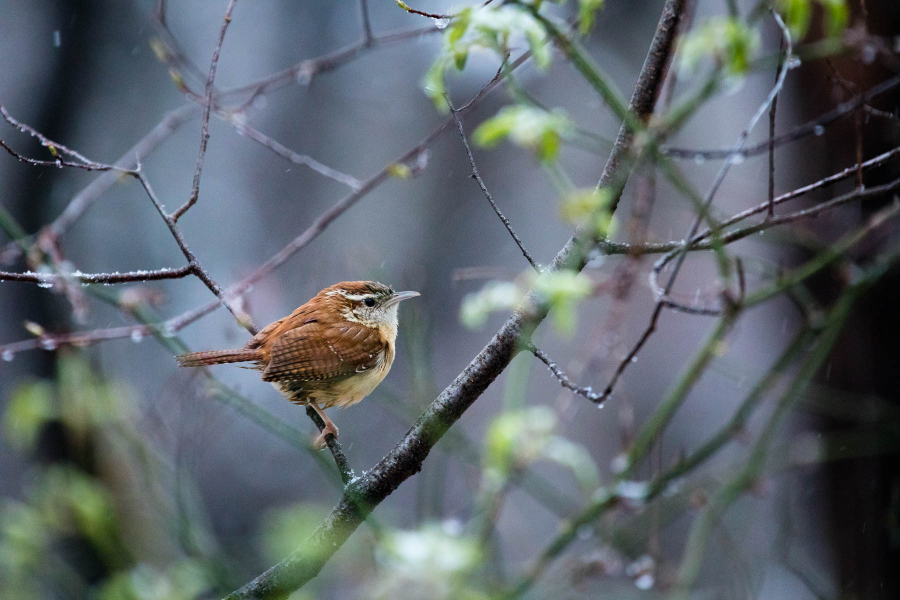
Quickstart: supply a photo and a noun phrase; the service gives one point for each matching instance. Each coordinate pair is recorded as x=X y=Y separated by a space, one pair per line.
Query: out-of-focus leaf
x=590 y=207
x=562 y=290
x=428 y=563
x=516 y=439
x=586 y=10
x=728 y=41
x=576 y=459
x=285 y=528
x=797 y=15
x=30 y=406
x=497 y=295
x=496 y=28
x=23 y=538
x=530 y=127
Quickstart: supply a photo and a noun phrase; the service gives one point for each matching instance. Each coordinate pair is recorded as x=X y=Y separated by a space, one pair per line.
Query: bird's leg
x=330 y=427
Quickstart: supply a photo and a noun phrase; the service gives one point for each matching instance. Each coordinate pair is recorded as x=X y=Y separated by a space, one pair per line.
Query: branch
x=48 y=279
x=558 y=373
x=364 y=494
x=477 y=177
x=294 y=157
x=340 y=459
x=204 y=121
x=815 y=127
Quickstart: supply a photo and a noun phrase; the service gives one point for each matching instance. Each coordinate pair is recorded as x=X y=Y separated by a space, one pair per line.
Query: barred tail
x=216 y=357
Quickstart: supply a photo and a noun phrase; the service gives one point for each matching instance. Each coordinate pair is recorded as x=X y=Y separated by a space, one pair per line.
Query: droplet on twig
x=819 y=130
x=137 y=336
x=7 y=355
x=441 y=23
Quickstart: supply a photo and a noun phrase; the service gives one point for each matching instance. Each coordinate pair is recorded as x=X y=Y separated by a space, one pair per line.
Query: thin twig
x=366 y=22
x=204 y=122
x=487 y=194
x=340 y=459
x=48 y=279
x=422 y=13
x=816 y=126
x=772 y=112
x=294 y=157
x=587 y=392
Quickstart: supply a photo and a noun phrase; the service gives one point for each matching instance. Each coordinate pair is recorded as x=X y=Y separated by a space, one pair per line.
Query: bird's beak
x=398 y=296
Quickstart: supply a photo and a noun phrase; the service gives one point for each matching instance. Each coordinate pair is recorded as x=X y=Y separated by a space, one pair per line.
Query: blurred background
x=122 y=476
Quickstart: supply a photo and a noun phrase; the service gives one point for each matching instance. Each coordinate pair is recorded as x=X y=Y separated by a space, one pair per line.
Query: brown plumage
x=332 y=351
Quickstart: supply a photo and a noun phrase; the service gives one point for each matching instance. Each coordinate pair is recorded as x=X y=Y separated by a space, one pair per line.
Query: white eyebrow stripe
x=348 y=296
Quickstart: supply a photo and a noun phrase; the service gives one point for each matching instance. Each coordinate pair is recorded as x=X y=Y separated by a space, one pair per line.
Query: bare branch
x=366 y=22
x=772 y=112
x=563 y=380
x=487 y=194
x=294 y=157
x=815 y=127
x=340 y=459
x=204 y=121
x=48 y=279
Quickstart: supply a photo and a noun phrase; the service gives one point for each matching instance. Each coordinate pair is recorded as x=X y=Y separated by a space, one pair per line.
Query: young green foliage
x=530 y=127
x=561 y=290
x=516 y=439
x=798 y=14
x=728 y=41
x=495 y=28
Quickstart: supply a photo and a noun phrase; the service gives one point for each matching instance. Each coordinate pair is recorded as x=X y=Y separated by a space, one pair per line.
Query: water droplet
x=441 y=23
x=819 y=130
x=699 y=159
x=644 y=582
x=48 y=344
x=7 y=355
x=793 y=62
x=136 y=336
x=634 y=358
x=869 y=54
x=736 y=158
x=619 y=463
x=57 y=39
x=304 y=76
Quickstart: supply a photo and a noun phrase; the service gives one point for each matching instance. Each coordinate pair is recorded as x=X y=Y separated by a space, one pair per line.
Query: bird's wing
x=317 y=352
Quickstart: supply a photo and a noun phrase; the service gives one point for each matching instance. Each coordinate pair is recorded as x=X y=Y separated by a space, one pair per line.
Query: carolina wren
x=332 y=351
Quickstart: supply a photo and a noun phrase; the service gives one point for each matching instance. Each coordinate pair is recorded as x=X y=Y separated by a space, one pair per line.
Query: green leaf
x=496 y=295
x=589 y=207
x=563 y=290
x=837 y=16
x=29 y=407
x=529 y=127
x=728 y=41
x=586 y=10
x=434 y=86
x=516 y=439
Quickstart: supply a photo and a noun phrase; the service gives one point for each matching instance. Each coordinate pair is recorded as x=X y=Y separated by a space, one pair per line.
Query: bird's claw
x=319 y=443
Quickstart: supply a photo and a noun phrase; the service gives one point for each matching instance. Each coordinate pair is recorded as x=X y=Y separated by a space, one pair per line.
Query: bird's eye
x=369 y=302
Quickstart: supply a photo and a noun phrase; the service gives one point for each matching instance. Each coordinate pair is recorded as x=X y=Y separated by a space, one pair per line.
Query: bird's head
x=370 y=303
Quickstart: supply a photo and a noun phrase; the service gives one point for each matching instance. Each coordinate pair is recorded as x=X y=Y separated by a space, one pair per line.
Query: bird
x=332 y=351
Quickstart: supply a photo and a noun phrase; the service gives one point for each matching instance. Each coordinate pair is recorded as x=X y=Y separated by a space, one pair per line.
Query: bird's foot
x=330 y=428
